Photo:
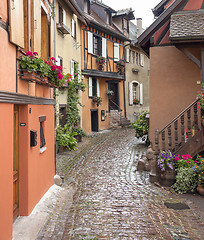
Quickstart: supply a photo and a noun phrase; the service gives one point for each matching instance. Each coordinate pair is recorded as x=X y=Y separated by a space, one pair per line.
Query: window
x=116 y=52
x=108 y=18
x=137 y=58
x=141 y=60
x=86 y=6
x=94 y=87
x=130 y=56
x=42 y=120
x=73 y=28
x=125 y=24
x=135 y=92
x=97 y=45
x=60 y=14
x=133 y=57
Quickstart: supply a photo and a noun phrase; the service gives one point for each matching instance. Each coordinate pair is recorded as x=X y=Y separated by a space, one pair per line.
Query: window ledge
x=43 y=149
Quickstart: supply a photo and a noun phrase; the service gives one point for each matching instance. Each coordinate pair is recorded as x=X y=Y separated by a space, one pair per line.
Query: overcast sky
x=143 y=8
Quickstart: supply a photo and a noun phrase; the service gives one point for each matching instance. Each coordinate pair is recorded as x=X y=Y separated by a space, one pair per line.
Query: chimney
x=139 y=26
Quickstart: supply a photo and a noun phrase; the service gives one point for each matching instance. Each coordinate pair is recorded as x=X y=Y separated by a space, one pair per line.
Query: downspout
x=54 y=4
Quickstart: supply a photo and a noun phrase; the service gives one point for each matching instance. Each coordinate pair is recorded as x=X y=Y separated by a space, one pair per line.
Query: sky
x=143 y=8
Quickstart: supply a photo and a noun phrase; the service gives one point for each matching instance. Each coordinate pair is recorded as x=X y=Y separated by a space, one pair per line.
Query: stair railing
x=180 y=130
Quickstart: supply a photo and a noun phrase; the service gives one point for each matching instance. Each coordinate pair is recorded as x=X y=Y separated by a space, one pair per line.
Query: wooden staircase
x=184 y=134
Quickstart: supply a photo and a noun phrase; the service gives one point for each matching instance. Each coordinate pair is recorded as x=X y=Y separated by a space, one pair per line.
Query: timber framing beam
x=190 y=56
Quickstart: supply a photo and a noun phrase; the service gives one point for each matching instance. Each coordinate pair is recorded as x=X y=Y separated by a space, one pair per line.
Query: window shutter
x=90 y=87
x=104 y=48
x=127 y=54
x=130 y=94
x=73 y=28
x=16 y=19
x=116 y=52
x=57 y=61
x=141 y=93
x=72 y=68
x=64 y=17
x=98 y=89
x=37 y=26
x=90 y=42
x=142 y=59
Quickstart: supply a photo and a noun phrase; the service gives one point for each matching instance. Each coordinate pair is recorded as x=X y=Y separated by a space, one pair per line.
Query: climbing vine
x=75 y=84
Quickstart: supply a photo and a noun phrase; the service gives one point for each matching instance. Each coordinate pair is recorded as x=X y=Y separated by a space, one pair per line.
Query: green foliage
x=66 y=138
x=78 y=131
x=97 y=100
x=199 y=170
x=73 y=100
x=141 y=126
x=186 y=180
x=201 y=98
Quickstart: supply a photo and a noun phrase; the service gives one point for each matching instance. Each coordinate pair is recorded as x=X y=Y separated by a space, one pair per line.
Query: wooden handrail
x=176 y=118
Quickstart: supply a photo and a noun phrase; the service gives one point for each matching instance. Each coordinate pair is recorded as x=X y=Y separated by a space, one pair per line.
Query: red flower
x=53 y=67
x=59 y=67
x=52 y=58
x=59 y=76
x=29 y=53
x=35 y=53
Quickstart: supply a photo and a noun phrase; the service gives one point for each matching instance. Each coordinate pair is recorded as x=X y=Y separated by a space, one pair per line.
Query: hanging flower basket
x=97 y=101
x=121 y=66
x=101 y=62
x=109 y=92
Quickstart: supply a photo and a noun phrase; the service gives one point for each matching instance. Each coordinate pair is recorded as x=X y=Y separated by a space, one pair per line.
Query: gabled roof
x=159 y=8
x=128 y=12
x=107 y=8
x=76 y=9
x=187 y=25
x=147 y=34
x=94 y=20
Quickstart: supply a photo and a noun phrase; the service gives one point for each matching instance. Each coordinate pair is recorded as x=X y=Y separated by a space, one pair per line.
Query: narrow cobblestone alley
x=104 y=197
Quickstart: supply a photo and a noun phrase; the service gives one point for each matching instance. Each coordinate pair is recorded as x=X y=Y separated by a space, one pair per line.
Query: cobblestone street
x=104 y=197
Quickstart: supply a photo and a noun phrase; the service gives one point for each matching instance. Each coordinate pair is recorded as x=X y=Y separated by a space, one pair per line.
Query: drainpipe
x=54 y=93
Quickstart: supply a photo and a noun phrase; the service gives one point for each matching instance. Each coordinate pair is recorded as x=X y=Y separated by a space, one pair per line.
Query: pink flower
x=35 y=53
x=52 y=58
x=59 y=67
x=188 y=156
x=29 y=53
x=59 y=76
x=176 y=159
x=196 y=161
x=53 y=67
x=46 y=62
x=187 y=161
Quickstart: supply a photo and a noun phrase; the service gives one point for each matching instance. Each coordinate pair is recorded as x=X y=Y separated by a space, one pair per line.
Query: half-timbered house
x=102 y=47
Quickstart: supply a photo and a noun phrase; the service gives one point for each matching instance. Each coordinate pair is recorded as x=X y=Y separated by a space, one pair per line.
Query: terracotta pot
x=28 y=76
x=200 y=190
x=167 y=178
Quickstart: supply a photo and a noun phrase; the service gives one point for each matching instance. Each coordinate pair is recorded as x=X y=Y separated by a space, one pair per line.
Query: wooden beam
x=190 y=56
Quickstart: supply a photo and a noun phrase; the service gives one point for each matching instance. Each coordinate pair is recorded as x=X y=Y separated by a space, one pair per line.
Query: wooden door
x=16 y=164
x=94 y=120
x=114 y=98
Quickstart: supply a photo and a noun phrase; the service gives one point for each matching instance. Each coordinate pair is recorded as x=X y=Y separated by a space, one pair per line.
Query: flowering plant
x=136 y=101
x=200 y=97
x=141 y=125
x=97 y=100
x=166 y=161
x=45 y=68
x=184 y=161
x=109 y=92
x=199 y=169
x=121 y=66
x=100 y=60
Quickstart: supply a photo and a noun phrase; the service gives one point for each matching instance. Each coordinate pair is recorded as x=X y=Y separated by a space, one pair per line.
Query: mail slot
x=33 y=138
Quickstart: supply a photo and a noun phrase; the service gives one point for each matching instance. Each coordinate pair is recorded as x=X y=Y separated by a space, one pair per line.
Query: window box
x=63 y=28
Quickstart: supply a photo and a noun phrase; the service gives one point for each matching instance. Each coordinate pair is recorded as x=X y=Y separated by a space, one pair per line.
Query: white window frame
x=90 y=42
x=116 y=51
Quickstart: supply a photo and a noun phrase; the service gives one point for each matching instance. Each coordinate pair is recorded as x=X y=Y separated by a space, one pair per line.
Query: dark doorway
x=63 y=112
x=94 y=120
x=114 y=98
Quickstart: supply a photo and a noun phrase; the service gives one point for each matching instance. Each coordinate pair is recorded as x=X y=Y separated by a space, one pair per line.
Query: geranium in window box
x=121 y=66
x=97 y=100
x=136 y=101
x=101 y=62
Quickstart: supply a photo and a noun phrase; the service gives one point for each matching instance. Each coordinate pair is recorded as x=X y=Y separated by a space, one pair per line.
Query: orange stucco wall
x=3 y=10
x=8 y=63
x=6 y=171
x=36 y=169
x=88 y=105
x=173 y=85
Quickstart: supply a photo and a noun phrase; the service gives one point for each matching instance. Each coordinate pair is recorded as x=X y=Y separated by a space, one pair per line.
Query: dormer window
x=108 y=18
x=125 y=25
x=86 y=6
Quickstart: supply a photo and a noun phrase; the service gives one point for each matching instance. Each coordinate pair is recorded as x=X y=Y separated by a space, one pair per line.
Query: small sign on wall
x=103 y=115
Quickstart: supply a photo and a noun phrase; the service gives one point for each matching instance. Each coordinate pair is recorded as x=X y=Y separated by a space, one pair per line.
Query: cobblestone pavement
x=106 y=198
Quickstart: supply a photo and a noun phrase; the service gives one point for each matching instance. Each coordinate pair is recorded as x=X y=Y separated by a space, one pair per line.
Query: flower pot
x=167 y=178
x=200 y=190
x=100 y=67
x=28 y=76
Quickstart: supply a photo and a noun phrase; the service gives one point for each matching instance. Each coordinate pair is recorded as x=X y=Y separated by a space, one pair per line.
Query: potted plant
x=101 y=62
x=97 y=100
x=79 y=133
x=166 y=165
x=136 y=101
x=199 y=169
x=109 y=92
x=121 y=66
